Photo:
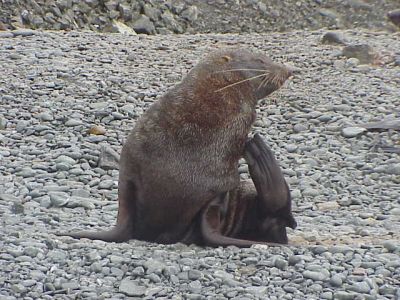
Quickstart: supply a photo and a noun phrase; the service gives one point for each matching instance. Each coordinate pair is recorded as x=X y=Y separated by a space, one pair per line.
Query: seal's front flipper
x=116 y=234
x=124 y=229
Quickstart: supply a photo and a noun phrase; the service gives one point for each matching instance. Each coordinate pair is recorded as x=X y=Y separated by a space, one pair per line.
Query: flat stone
x=350 y=132
x=316 y=276
x=131 y=288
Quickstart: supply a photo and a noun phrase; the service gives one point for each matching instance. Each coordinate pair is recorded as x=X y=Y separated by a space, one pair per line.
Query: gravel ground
x=346 y=190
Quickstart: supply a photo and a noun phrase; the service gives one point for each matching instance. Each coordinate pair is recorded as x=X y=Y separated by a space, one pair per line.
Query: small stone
x=257 y=290
x=350 y=132
x=23 y=32
x=96 y=267
x=362 y=52
x=300 y=128
x=31 y=251
x=131 y=288
x=108 y=158
x=336 y=281
x=97 y=130
x=360 y=287
x=194 y=274
x=393 y=169
x=58 y=199
x=395 y=211
x=352 y=62
x=70 y=285
x=17 y=207
x=27 y=172
x=190 y=13
x=316 y=276
x=333 y=38
x=75 y=201
x=57 y=256
x=281 y=264
x=45 y=117
x=291 y=148
x=340 y=249
x=3 y=122
x=106 y=184
x=154 y=278
x=326 y=295
x=144 y=25
x=21 y=126
x=138 y=271
x=73 y=123
x=65 y=160
x=329 y=205
x=311 y=192
x=342 y=295
x=154 y=266
x=195 y=286
x=391 y=245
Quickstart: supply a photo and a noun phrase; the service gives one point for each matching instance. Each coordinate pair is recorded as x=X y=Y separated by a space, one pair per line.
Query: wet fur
x=179 y=179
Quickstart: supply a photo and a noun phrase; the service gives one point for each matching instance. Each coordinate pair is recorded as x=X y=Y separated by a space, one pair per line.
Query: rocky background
x=195 y=16
x=68 y=99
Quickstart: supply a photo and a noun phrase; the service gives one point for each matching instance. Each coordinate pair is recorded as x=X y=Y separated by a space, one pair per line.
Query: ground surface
x=346 y=191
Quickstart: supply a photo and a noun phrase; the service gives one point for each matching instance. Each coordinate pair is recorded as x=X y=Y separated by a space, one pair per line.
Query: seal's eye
x=226 y=58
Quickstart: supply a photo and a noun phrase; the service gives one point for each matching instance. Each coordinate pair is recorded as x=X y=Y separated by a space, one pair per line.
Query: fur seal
x=179 y=179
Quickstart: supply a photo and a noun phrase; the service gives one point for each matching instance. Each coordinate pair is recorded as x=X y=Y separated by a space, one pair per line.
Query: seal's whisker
x=232 y=70
x=267 y=80
x=263 y=82
x=238 y=82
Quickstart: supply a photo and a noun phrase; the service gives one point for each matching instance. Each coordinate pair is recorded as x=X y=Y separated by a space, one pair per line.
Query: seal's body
x=179 y=177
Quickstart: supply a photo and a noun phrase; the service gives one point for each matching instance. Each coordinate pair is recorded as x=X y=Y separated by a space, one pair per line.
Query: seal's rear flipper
x=211 y=229
x=272 y=190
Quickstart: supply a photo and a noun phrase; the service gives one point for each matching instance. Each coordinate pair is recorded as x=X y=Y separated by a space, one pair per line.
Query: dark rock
x=394 y=16
x=363 y=52
x=190 y=13
x=144 y=25
x=333 y=38
x=108 y=158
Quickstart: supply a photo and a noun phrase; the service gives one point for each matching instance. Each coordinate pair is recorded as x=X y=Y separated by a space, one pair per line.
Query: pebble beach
x=67 y=98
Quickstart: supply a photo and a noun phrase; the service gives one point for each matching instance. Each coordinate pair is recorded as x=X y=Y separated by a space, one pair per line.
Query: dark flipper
x=272 y=189
x=211 y=229
x=116 y=234
x=266 y=174
x=123 y=230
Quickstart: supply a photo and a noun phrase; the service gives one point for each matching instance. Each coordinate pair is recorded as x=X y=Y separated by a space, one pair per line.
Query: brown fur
x=179 y=179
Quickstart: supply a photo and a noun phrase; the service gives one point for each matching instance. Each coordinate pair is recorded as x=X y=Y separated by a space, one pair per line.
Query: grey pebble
x=73 y=123
x=336 y=280
x=59 y=199
x=350 y=132
x=131 y=288
x=316 y=276
x=342 y=295
x=75 y=201
x=70 y=285
x=359 y=287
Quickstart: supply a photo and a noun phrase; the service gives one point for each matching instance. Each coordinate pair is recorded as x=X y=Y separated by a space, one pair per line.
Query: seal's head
x=241 y=69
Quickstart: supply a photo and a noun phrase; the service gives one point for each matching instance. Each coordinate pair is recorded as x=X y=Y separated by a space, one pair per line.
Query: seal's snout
x=293 y=71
